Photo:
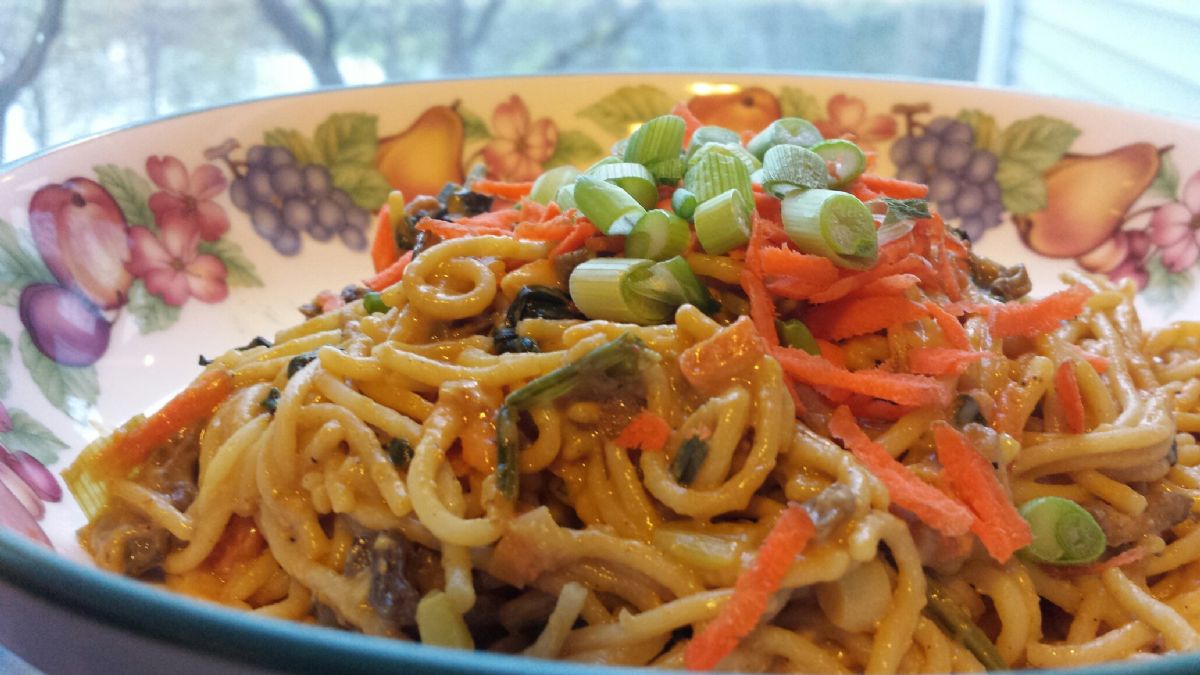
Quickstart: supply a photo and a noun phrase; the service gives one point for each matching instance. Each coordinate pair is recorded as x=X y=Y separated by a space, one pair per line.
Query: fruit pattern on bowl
x=120 y=245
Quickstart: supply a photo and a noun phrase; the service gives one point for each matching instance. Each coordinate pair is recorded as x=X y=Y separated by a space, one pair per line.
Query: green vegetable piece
x=788 y=167
x=605 y=288
x=688 y=460
x=658 y=235
x=673 y=282
x=711 y=134
x=833 y=224
x=374 y=304
x=1064 y=533
x=716 y=173
x=400 y=452
x=845 y=160
x=684 y=203
x=955 y=620
x=784 y=131
x=632 y=178
x=611 y=209
x=722 y=223
x=299 y=361
x=271 y=401
x=658 y=139
x=793 y=333
x=547 y=185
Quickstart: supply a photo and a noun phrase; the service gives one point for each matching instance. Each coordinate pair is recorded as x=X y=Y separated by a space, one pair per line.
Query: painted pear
x=750 y=109
x=1087 y=197
x=424 y=157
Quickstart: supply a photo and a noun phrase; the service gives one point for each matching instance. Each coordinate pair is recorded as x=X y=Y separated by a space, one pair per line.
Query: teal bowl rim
x=240 y=636
x=245 y=638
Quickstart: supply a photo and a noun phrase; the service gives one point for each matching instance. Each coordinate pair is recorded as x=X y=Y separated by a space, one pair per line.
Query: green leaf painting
x=574 y=147
x=131 y=192
x=31 y=436
x=239 y=271
x=474 y=128
x=1164 y=288
x=347 y=138
x=20 y=264
x=302 y=148
x=71 y=390
x=365 y=185
x=795 y=102
x=983 y=126
x=627 y=106
x=1166 y=181
x=1025 y=149
x=149 y=311
x=5 y=364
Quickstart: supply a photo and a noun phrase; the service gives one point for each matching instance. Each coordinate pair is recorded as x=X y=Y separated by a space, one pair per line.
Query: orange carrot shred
x=384 y=250
x=902 y=388
x=503 y=189
x=390 y=274
x=1122 y=559
x=1066 y=385
x=238 y=543
x=941 y=360
x=952 y=330
x=752 y=591
x=584 y=229
x=892 y=284
x=876 y=409
x=778 y=261
x=894 y=187
x=934 y=507
x=997 y=523
x=1030 y=319
x=555 y=229
x=762 y=307
x=690 y=121
x=646 y=431
x=859 y=316
x=461 y=228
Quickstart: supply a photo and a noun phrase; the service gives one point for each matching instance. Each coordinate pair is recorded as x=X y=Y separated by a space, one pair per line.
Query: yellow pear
x=424 y=157
x=748 y=109
x=1087 y=196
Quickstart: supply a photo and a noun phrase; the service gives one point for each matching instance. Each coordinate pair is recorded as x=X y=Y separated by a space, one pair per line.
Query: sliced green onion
x=508 y=450
x=688 y=460
x=611 y=209
x=658 y=235
x=566 y=197
x=833 y=224
x=784 y=131
x=632 y=178
x=547 y=185
x=674 y=283
x=723 y=223
x=658 y=139
x=604 y=288
x=400 y=452
x=788 y=167
x=374 y=304
x=668 y=171
x=716 y=173
x=614 y=158
x=299 y=361
x=271 y=401
x=734 y=150
x=845 y=160
x=954 y=619
x=684 y=203
x=793 y=333
x=1064 y=533
x=711 y=134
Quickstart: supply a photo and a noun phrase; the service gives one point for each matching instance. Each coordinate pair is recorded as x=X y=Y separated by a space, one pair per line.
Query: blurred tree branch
x=460 y=47
x=601 y=34
x=49 y=24
x=316 y=46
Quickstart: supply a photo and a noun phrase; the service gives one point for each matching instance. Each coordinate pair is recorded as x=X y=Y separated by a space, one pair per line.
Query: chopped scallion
x=734 y=150
x=833 y=224
x=632 y=178
x=788 y=167
x=547 y=185
x=1064 y=533
x=722 y=223
x=711 y=134
x=684 y=203
x=668 y=171
x=566 y=197
x=658 y=139
x=374 y=304
x=845 y=160
x=400 y=452
x=610 y=208
x=298 y=363
x=688 y=460
x=793 y=333
x=784 y=131
x=955 y=620
x=657 y=235
x=674 y=283
x=604 y=288
x=716 y=173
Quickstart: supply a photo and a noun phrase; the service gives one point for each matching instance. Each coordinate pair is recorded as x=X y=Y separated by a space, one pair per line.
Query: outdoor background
x=73 y=67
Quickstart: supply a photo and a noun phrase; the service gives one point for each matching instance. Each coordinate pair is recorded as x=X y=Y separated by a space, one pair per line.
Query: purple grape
x=925 y=151
x=66 y=328
x=41 y=481
x=297 y=213
x=287 y=181
x=316 y=180
x=981 y=167
x=319 y=232
x=953 y=156
x=279 y=157
x=256 y=156
x=354 y=239
x=343 y=200
x=330 y=214
x=942 y=188
x=958 y=133
x=266 y=221
x=973 y=225
x=912 y=172
x=969 y=200
x=937 y=126
x=258 y=185
x=238 y=194
x=357 y=218
x=902 y=150
x=286 y=241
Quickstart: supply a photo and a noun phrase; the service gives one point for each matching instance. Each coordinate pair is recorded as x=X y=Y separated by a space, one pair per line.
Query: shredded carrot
x=908 y=264
x=1123 y=559
x=1031 y=319
x=894 y=187
x=454 y=230
x=952 y=330
x=646 y=431
x=479 y=444
x=779 y=261
x=934 y=507
x=239 y=542
x=997 y=523
x=941 y=360
x=876 y=409
x=384 y=250
x=767 y=206
x=554 y=229
x=390 y=274
x=690 y=121
x=892 y=284
x=902 y=388
x=860 y=316
x=733 y=350
x=752 y=591
x=502 y=189
x=1098 y=362
x=606 y=243
x=762 y=307
x=190 y=406
x=583 y=230
x=504 y=218
x=793 y=288
x=1066 y=385
x=859 y=189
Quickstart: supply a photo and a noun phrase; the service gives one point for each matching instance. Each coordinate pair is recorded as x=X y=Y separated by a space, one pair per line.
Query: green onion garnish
x=547 y=185
x=668 y=171
x=833 y=224
x=374 y=304
x=271 y=401
x=711 y=134
x=788 y=167
x=723 y=223
x=658 y=139
x=793 y=333
x=845 y=160
x=1064 y=533
x=688 y=460
x=610 y=208
x=715 y=173
x=657 y=235
x=615 y=359
x=784 y=131
x=684 y=203
x=734 y=150
x=632 y=178
x=298 y=362
x=400 y=452
x=606 y=288
x=673 y=282
x=955 y=620
x=566 y=197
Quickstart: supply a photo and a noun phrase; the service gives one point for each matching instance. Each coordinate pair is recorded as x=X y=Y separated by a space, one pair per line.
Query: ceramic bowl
x=126 y=255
